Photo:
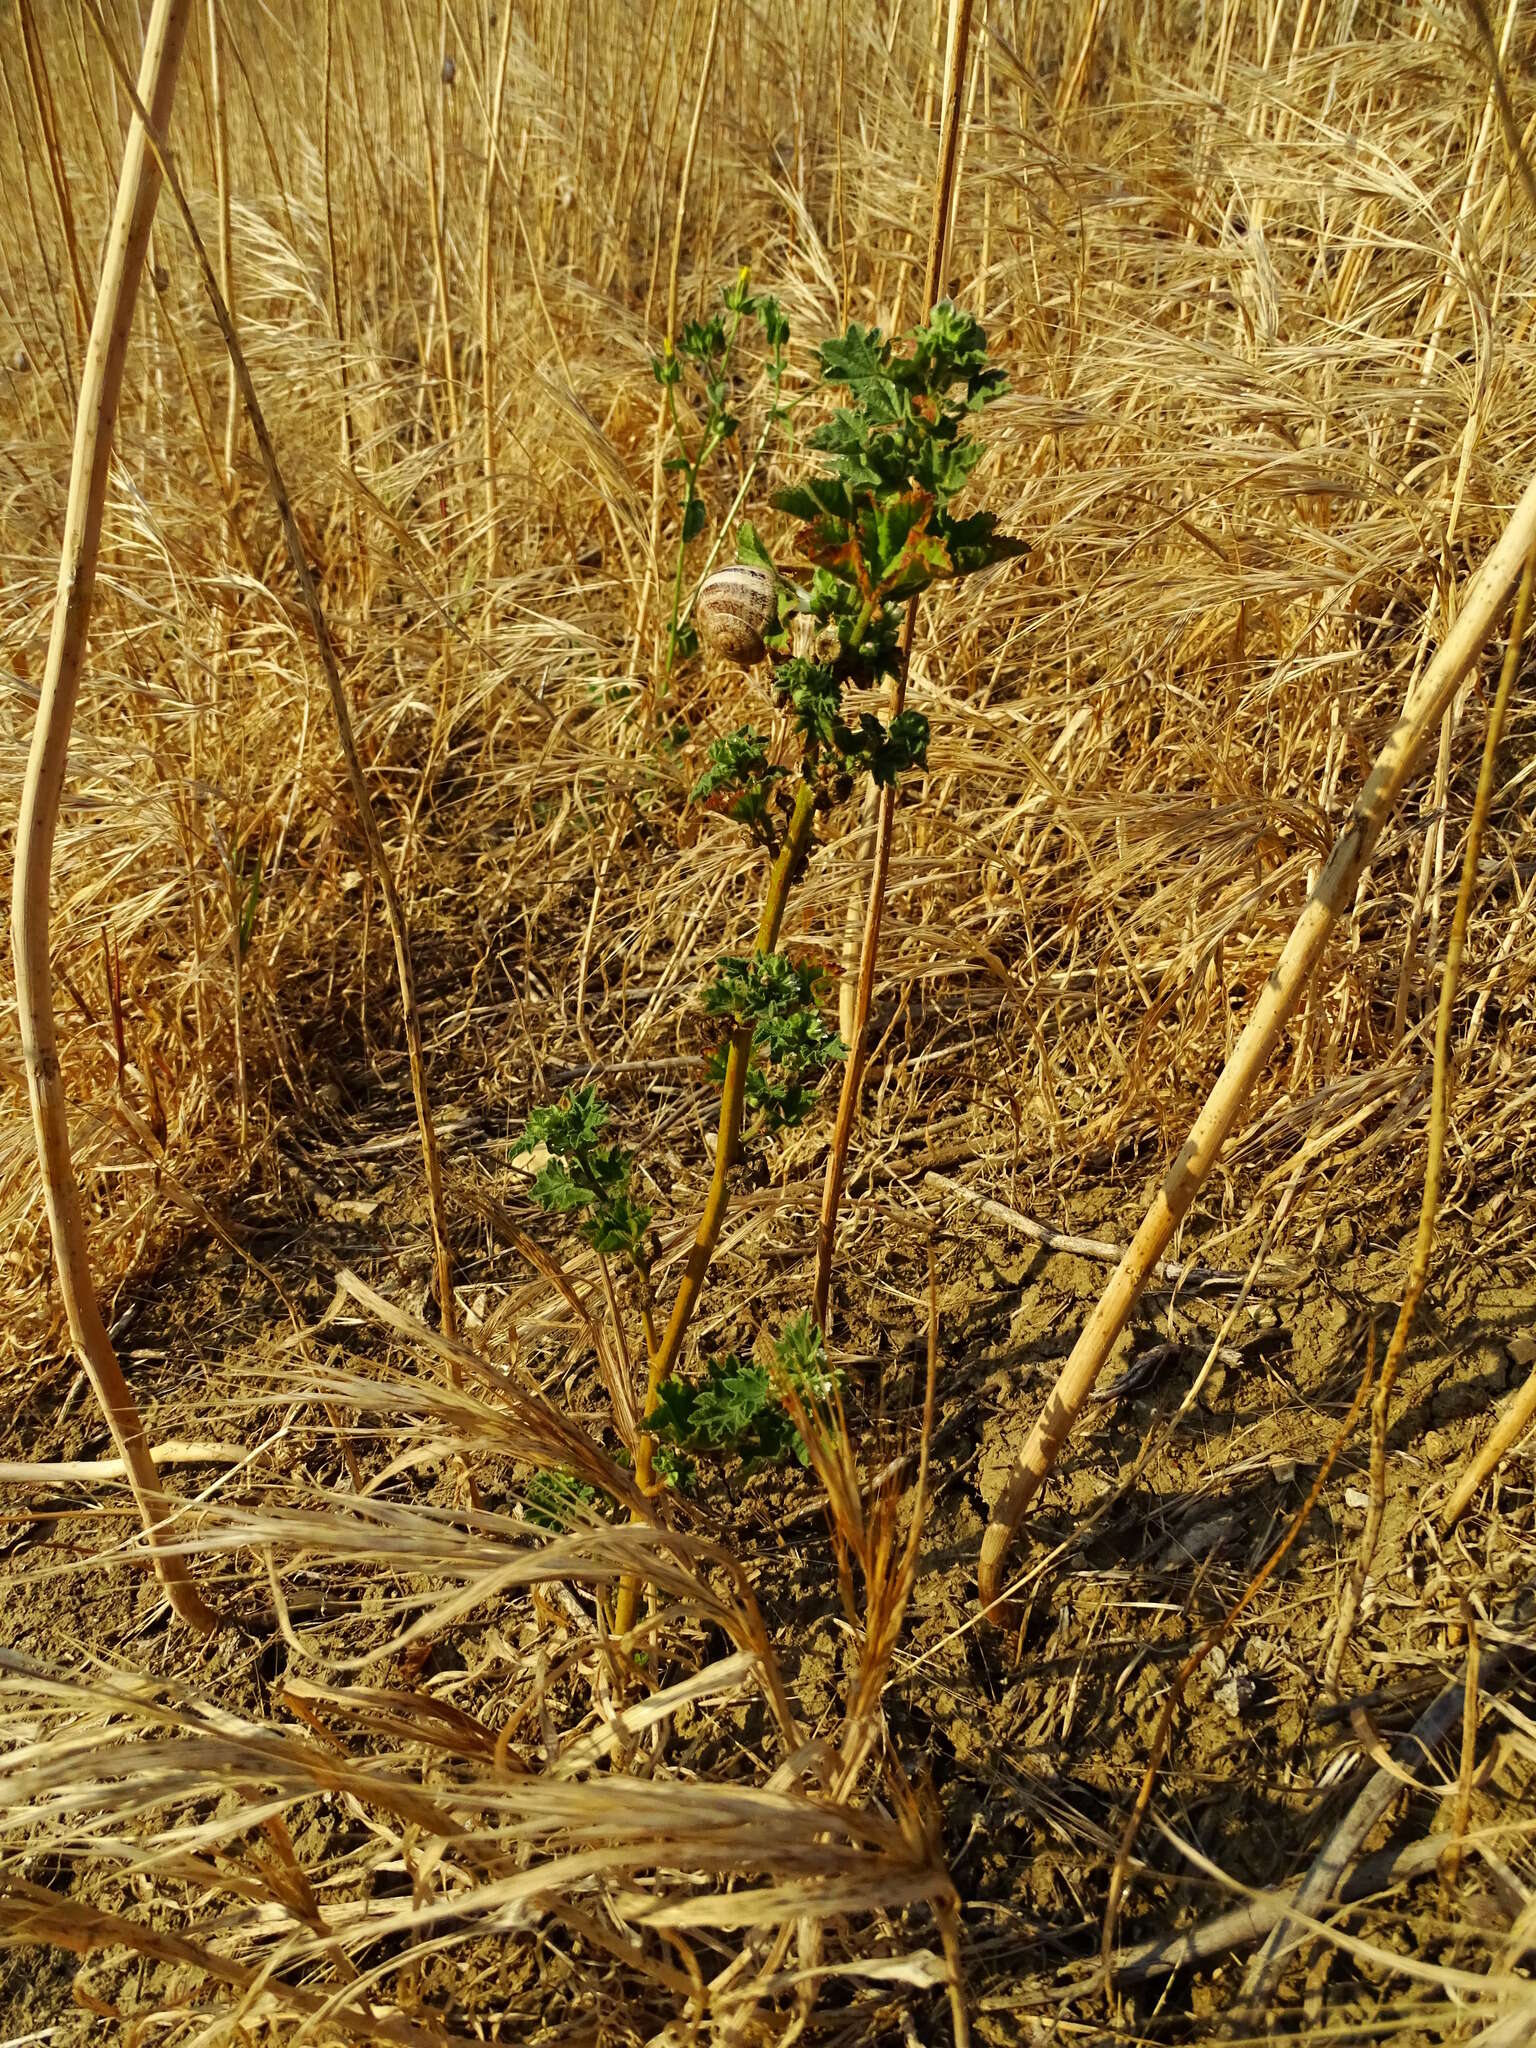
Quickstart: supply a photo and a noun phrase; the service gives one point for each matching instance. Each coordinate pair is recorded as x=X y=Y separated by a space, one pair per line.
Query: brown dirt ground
x=1032 y=1742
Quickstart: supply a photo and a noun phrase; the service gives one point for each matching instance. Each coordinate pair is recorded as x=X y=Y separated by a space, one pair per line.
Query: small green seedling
x=582 y=1177
x=736 y=1408
x=557 y=1500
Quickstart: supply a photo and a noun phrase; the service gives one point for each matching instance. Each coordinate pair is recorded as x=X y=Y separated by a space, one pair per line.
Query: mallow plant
x=874 y=523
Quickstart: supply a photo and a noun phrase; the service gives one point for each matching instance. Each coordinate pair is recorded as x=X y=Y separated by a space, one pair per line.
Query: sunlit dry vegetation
x=516 y=1720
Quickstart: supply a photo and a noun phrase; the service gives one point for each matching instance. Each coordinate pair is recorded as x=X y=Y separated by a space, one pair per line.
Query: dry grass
x=1264 y=288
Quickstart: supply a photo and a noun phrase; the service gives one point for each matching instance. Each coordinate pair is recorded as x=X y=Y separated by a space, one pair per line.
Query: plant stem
x=1331 y=893
x=1439 y=1104
x=487 y=305
x=373 y=838
x=645 y=1451
x=733 y=1095
x=734 y=1092
x=101 y=386
x=869 y=951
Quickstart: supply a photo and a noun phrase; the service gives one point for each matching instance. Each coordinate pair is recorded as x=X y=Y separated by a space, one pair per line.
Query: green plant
x=876 y=526
x=583 y=1177
x=700 y=368
x=246 y=879
x=791 y=1047
x=737 y=1407
x=554 y=1499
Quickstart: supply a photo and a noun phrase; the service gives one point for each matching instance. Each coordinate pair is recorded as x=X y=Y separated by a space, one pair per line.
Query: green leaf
x=694 y=516
x=558 y=1192
x=948 y=345
x=801 y=1357
x=822 y=497
x=885 y=754
x=618 y=1226
x=975 y=543
x=250 y=899
x=737 y=1406
x=703 y=340
x=770 y=317
x=906 y=554
x=672 y=1417
x=567 y=1126
x=791 y=1046
x=739 y=781
x=556 y=1499
x=736 y=297
x=861 y=360
x=750 y=549
x=814 y=695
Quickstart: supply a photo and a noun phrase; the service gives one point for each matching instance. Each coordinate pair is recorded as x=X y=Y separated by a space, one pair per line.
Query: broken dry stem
x=1440 y=1089
x=1332 y=892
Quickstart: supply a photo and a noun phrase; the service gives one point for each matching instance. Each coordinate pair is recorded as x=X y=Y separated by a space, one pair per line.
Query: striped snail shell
x=734 y=609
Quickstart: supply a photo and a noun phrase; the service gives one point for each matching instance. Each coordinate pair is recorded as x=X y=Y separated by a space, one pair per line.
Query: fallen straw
x=92 y=1471
x=1282 y=990
x=1251 y=1921
x=1053 y=1240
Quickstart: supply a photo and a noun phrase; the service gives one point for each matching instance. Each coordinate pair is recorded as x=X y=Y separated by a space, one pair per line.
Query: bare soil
x=1028 y=1742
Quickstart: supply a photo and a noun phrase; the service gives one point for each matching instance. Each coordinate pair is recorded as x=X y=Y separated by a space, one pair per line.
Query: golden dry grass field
x=488 y=1742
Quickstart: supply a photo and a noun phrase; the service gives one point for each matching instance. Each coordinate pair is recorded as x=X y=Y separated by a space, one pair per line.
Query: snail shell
x=734 y=609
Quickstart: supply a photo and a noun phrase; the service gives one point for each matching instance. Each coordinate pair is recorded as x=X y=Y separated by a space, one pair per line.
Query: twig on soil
x=88 y=1471
x=1440 y=1090
x=1084 y=1247
x=100 y=390
x=1252 y=1921
x=1323 y=1881
x=1283 y=988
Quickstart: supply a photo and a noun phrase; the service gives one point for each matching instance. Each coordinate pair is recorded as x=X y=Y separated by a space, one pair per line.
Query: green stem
x=707 y=447
x=779 y=412
x=732 y=1100
x=663 y=1355
x=629 y=1585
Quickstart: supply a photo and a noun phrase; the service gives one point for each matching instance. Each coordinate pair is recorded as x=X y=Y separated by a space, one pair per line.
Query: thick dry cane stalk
x=1507 y=1432
x=1439 y=1106
x=100 y=389
x=1331 y=894
x=378 y=853
x=857 y=1029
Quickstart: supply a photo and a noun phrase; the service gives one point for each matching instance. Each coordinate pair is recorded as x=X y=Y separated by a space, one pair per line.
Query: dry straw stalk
x=1335 y=885
x=100 y=389
x=373 y=837
x=957 y=42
